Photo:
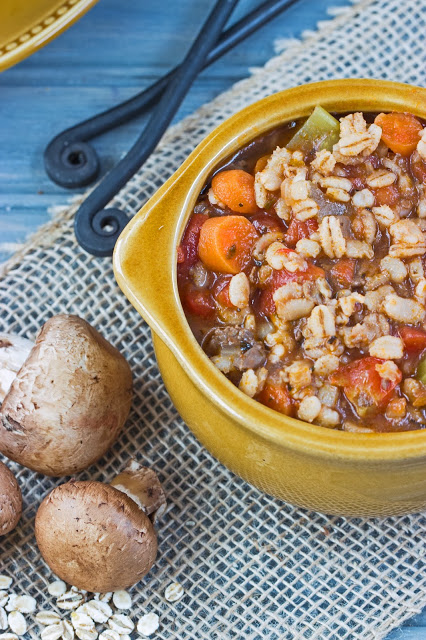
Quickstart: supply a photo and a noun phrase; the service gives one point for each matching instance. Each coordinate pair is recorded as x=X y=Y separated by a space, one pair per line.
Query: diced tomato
x=188 y=249
x=363 y=386
x=200 y=303
x=266 y=302
x=221 y=291
x=386 y=195
x=298 y=230
x=267 y=223
x=414 y=339
x=344 y=271
x=276 y=396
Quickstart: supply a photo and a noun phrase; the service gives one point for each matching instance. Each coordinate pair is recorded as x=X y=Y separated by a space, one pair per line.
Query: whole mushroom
x=99 y=537
x=10 y=500
x=67 y=402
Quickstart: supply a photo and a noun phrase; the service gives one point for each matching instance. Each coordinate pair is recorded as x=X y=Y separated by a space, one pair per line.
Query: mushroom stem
x=14 y=350
x=142 y=485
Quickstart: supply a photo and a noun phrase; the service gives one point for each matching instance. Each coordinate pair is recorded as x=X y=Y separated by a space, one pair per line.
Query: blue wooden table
x=110 y=54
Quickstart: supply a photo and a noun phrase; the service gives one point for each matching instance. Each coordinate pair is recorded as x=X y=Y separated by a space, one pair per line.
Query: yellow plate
x=27 y=25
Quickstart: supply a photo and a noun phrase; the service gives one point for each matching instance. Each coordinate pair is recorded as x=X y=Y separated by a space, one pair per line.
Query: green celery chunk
x=421 y=371
x=320 y=131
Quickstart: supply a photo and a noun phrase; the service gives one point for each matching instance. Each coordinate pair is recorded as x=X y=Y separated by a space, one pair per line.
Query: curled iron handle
x=108 y=221
x=72 y=162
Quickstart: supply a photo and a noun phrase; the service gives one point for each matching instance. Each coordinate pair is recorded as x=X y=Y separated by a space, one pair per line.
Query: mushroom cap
x=10 y=500
x=94 y=537
x=68 y=402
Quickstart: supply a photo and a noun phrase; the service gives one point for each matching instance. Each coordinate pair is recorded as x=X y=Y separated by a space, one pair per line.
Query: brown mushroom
x=10 y=500
x=68 y=401
x=94 y=536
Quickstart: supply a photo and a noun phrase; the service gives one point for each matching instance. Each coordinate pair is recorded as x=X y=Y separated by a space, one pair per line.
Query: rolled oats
x=148 y=624
x=104 y=597
x=53 y=631
x=48 y=618
x=86 y=634
x=3 y=619
x=8 y=636
x=5 y=582
x=25 y=604
x=68 y=630
x=70 y=600
x=174 y=592
x=17 y=623
x=57 y=588
x=109 y=634
x=101 y=611
x=121 y=623
x=11 y=603
x=4 y=597
x=81 y=620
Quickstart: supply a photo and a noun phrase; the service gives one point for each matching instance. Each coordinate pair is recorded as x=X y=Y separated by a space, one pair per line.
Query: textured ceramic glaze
x=27 y=25
x=322 y=469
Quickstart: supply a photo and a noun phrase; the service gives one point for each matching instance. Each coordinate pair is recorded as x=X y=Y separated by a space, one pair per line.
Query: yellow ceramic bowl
x=321 y=469
x=27 y=25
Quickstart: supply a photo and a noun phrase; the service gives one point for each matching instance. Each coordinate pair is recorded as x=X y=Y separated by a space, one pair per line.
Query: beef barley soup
x=302 y=270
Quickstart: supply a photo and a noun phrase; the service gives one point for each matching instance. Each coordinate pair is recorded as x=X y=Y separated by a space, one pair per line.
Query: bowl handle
x=145 y=258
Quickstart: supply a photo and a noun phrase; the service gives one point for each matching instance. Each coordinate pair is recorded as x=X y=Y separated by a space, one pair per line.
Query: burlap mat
x=251 y=567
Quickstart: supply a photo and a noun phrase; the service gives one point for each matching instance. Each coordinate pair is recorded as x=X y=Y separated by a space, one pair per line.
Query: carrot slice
x=235 y=188
x=400 y=131
x=226 y=242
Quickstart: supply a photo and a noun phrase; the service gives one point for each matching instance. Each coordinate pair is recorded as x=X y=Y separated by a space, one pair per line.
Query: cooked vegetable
x=363 y=386
x=320 y=131
x=400 y=131
x=298 y=230
x=387 y=195
x=225 y=243
x=235 y=188
x=282 y=277
x=199 y=303
x=276 y=396
x=421 y=371
x=414 y=339
x=344 y=271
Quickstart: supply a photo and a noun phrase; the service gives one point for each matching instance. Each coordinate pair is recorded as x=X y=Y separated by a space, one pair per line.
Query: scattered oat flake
x=81 y=621
x=109 y=634
x=104 y=597
x=125 y=636
x=5 y=581
x=122 y=599
x=3 y=620
x=4 y=597
x=69 y=600
x=121 y=623
x=8 y=636
x=57 y=588
x=47 y=618
x=11 y=603
x=52 y=631
x=86 y=634
x=148 y=624
x=174 y=592
x=25 y=604
x=17 y=623
x=68 y=633
x=99 y=611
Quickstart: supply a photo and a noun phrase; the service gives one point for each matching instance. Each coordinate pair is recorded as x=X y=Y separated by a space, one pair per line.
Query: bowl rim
x=165 y=316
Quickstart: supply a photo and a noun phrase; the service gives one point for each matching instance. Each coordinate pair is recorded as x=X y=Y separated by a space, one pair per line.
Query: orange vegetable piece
x=387 y=195
x=235 y=188
x=400 y=131
x=226 y=242
x=276 y=396
x=344 y=271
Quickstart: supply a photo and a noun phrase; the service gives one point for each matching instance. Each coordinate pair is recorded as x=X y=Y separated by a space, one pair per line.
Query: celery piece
x=320 y=131
x=421 y=371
